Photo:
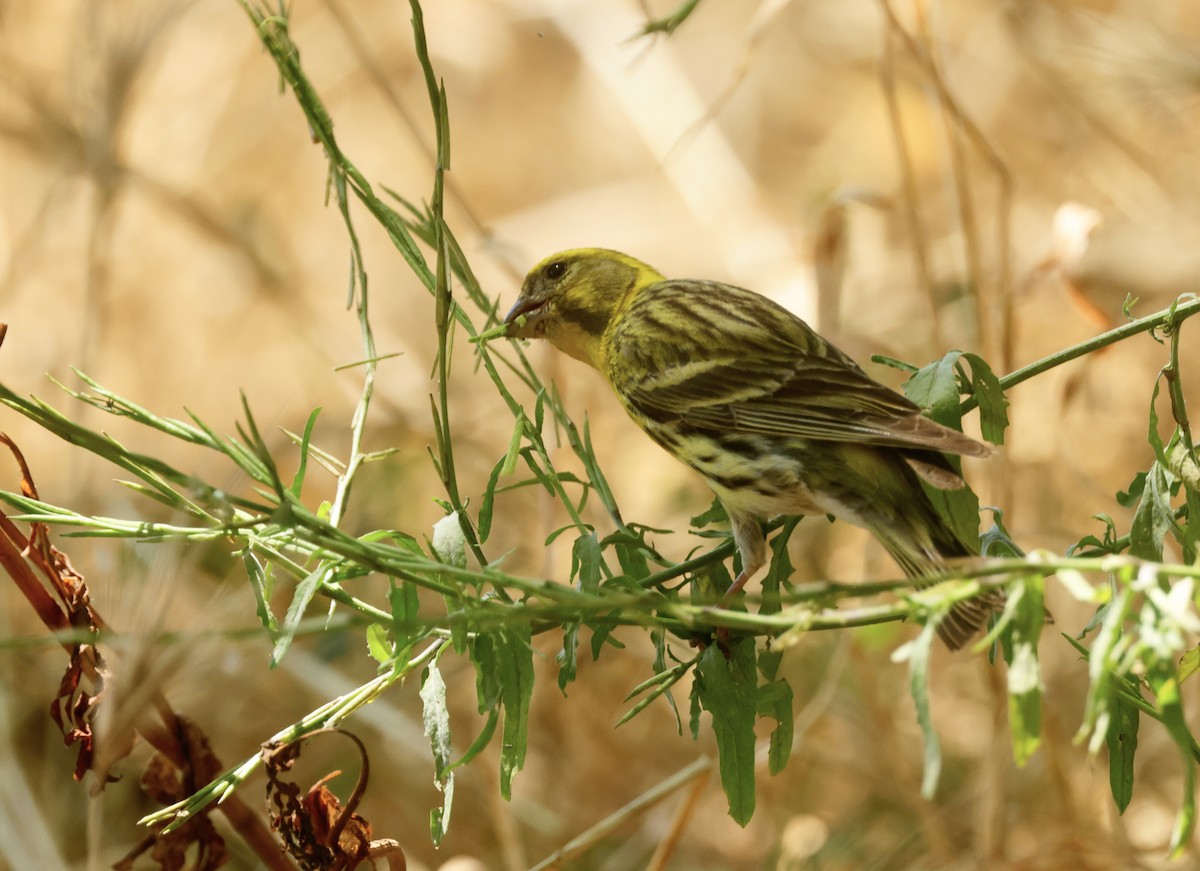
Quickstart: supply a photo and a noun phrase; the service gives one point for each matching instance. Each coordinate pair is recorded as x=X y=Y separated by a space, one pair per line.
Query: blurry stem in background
x=887 y=73
x=994 y=306
x=993 y=295
x=383 y=81
x=695 y=774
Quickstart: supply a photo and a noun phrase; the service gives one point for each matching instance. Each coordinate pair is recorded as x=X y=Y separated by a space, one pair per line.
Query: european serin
x=776 y=419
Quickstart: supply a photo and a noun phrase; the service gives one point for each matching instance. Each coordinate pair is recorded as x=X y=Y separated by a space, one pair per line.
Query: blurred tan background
x=163 y=227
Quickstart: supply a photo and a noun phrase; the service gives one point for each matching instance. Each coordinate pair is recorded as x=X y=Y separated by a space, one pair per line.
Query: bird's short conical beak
x=531 y=311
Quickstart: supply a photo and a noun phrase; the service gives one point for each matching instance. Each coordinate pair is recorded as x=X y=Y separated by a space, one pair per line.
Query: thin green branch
x=1169 y=317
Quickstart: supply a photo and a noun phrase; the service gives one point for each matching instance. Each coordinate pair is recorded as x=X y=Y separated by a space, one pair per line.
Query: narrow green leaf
x=305 y=590
x=443 y=119
x=602 y=630
x=405 y=607
x=727 y=689
x=514 y=664
x=892 y=362
x=539 y=412
x=484 y=518
x=305 y=443
x=659 y=636
x=1122 y=744
x=514 y=445
x=261 y=583
x=481 y=741
x=483 y=654
x=659 y=684
x=1152 y=434
x=566 y=657
x=505 y=467
x=779 y=571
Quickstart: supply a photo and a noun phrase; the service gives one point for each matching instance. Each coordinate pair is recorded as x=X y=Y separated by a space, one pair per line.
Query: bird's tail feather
x=964 y=619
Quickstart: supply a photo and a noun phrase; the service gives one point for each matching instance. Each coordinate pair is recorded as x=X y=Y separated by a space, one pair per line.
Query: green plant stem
x=1169 y=317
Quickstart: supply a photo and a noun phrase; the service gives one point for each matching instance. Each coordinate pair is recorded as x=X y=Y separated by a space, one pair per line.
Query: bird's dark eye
x=556 y=270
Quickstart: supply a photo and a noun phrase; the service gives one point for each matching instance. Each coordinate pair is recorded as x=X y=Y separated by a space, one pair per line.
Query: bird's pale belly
x=751 y=475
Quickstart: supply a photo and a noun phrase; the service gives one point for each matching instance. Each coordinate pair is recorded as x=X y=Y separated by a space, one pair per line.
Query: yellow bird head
x=571 y=297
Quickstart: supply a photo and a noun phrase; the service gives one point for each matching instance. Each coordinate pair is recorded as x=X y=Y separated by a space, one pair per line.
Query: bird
x=776 y=419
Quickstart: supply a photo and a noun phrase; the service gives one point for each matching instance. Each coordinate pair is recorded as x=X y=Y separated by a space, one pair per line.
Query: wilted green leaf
x=993 y=404
x=1153 y=518
x=714 y=515
x=917 y=652
x=378 y=645
x=436 y=718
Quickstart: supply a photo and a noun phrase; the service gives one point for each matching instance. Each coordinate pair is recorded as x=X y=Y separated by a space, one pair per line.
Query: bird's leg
x=752 y=546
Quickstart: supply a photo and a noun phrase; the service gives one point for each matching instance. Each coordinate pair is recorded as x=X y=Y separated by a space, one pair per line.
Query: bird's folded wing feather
x=761 y=371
